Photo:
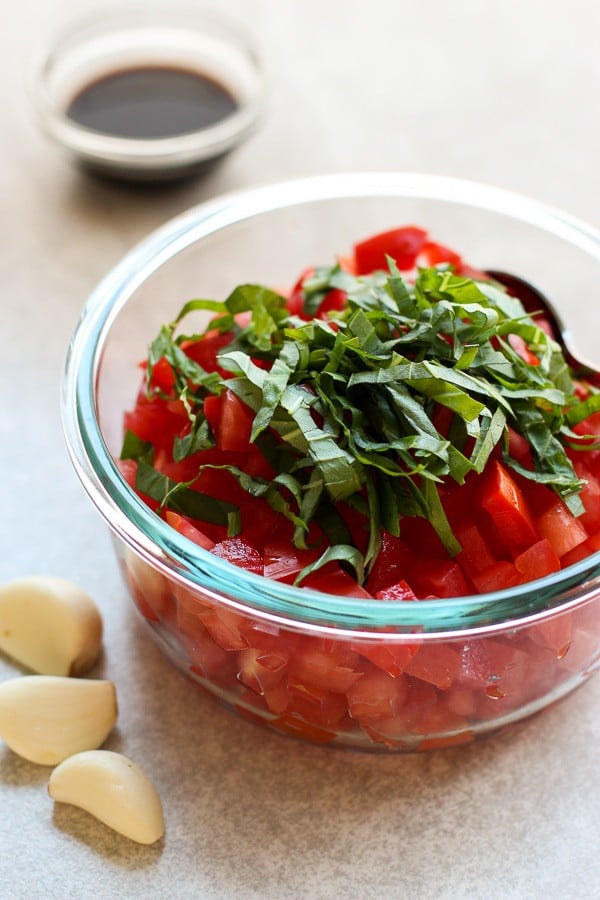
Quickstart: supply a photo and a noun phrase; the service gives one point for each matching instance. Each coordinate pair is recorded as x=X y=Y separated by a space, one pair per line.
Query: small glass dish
x=146 y=38
x=357 y=673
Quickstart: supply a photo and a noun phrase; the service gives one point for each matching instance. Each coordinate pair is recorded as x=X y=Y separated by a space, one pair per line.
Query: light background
x=505 y=93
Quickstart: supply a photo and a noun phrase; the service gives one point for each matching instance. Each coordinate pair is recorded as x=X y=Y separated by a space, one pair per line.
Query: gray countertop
x=505 y=93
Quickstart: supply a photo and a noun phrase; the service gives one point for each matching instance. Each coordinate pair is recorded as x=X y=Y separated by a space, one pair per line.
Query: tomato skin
x=402 y=244
x=510 y=516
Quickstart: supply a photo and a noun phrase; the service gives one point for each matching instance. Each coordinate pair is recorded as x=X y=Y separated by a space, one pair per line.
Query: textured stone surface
x=504 y=93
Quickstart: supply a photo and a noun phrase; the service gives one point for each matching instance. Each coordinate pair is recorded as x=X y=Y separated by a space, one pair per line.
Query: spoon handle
x=535 y=301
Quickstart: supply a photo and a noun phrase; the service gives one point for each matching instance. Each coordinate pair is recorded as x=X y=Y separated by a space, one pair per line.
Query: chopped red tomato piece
x=443 y=578
x=239 y=552
x=561 y=529
x=433 y=254
x=390 y=656
x=326 y=664
x=537 y=561
x=502 y=498
x=376 y=695
x=334 y=301
x=283 y=561
x=435 y=663
x=233 y=424
x=589 y=546
x=185 y=527
x=333 y=580
x=476 y=555
x=399 y=591
x=295 y=302
x=500 y=576
x=402 y=244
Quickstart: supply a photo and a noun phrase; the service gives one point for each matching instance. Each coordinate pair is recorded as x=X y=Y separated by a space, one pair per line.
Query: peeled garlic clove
x=45 y=718
x=113 y=789
x=49 y=625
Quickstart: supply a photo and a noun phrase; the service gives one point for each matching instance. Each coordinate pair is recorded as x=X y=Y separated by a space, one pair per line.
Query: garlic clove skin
x=114 y=790
x=49 y=625
x=46 y=718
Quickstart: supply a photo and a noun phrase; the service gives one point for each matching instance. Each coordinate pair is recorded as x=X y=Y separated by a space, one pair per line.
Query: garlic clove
x=46 y=718
x=49 y=625
x=112 y=788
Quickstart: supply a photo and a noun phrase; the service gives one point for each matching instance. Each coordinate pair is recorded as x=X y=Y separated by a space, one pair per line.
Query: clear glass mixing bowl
x=358 y=673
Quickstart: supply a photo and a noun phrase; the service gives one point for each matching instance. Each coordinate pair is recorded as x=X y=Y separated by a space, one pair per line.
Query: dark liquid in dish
x=152 y=102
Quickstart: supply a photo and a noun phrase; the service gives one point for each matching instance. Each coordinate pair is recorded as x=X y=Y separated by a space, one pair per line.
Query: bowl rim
x=165 y=549
x=146 y=155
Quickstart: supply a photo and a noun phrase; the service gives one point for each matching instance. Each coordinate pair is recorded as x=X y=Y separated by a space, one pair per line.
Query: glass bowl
x=357 y=673
x=148 y=37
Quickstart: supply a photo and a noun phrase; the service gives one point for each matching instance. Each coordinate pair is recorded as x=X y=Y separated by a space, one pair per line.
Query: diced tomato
x=326 y=664
x=332 y=579
x=283 y=561
x=295 y=302
x=537 y=561
x=314 y=704
x=392 y=564
x=185 y=527
x=239 y=552
x=399 y=591
x=589 y=546
x=510 y=515
x=154 y=422
x=234 y=423
x=206 y=350
x=299 y=728
x=435 y=663
x=149 y=588
x=476 y=555
x=334 y=302
x=163 y=377
x=376 y=695
x=402 y=244
x=590 y=496
x=260 y=671
x=519 y=448
x=500 y=576
x=421 y=701
x=390 y=656
x=520 y=347
x=433 y=254
x=561 y=529
x=554 y=633
x=443 y=578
